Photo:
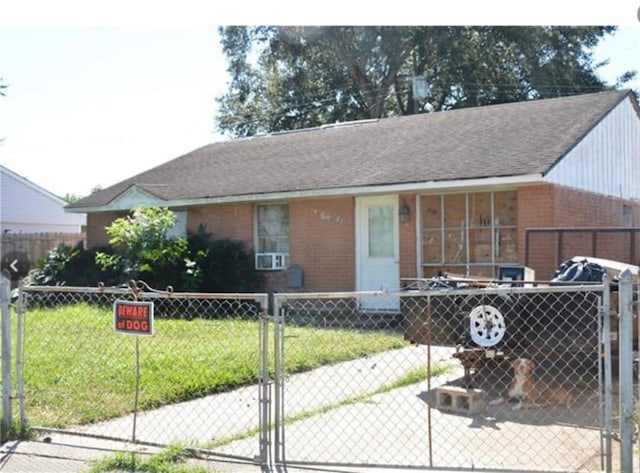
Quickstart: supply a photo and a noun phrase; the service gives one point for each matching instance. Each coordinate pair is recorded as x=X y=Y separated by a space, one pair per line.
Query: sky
x=101 y=91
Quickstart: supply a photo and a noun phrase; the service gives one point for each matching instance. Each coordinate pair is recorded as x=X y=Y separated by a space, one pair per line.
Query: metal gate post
x=608 y=378
x=626 y=371
x=265 y=395
x=7 y=411
x=278 y=313
x=20 y=357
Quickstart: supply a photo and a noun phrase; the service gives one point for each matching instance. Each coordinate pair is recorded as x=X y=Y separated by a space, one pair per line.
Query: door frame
x=362 y=228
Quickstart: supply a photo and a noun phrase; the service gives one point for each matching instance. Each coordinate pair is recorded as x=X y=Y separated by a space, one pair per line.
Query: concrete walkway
x=458 y=441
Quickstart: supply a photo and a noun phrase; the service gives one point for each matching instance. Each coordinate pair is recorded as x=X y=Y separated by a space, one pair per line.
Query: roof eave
x=415 y=187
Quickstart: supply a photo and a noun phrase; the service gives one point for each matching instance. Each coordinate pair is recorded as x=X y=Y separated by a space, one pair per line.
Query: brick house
x=363 y=205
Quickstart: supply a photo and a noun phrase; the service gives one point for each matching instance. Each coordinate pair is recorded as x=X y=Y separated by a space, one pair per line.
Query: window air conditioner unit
x=272 y=260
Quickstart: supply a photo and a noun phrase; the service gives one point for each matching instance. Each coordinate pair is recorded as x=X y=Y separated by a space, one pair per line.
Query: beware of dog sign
x=133 y=317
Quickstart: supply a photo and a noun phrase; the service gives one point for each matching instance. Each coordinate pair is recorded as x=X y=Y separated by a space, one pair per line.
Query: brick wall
x=321 y=239
x=547 y=205
x=586 y=209
x=322 y=232
x=535 y=209
x=96 y=224
x=233 y=221
x=322 y=242
x=408 y=256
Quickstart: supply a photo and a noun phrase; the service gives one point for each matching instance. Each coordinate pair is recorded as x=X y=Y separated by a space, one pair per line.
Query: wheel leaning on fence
x=486 y=325
x=490 y=321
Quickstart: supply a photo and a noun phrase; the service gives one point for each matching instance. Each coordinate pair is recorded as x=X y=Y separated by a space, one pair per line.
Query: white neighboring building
x=28 y=208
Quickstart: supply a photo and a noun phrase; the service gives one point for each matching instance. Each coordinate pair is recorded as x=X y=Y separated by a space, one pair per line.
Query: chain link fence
x=443 y=400
x=83 y=375
x=432 y=376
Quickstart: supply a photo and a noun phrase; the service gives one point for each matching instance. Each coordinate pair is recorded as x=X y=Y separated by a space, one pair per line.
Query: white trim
x=358 y=242
x=418 y=229
x=430 y=186
x=361 y=223
x=391 y=264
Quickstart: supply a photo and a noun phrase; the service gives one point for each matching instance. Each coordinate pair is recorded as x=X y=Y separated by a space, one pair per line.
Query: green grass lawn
x=172 y=460
x=78 y=370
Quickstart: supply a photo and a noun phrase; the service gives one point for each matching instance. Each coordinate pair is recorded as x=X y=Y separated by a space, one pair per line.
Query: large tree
x=286 y=78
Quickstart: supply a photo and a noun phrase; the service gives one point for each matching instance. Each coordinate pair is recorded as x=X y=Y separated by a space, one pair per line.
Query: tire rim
x=486 y=325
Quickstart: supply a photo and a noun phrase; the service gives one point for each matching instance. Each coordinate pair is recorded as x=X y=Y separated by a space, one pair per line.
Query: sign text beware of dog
x=133 y=317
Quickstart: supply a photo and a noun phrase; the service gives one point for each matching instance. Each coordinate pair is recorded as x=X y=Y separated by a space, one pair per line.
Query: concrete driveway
x=395 y=427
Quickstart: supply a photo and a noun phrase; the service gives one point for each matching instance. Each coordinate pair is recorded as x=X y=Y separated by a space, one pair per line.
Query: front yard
x=78 y=370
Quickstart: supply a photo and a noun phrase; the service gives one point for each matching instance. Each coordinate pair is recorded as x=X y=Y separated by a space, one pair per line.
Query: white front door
x=377 y=252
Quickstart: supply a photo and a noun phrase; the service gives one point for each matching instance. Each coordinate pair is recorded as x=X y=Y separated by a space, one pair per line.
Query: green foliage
x=71 y=266
x=286 y=78
x=195 y=264
x=143 y=248
x=19 y=432
x=51 y=268
x=220 y=265
x=70 y=198
x=170 y=460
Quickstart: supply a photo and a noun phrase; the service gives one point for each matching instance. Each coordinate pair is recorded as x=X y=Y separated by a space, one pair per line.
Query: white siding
x=26 y=208
x=607 y=160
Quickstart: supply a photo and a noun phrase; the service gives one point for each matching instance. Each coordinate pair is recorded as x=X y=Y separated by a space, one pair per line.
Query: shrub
x=222 y=265
x=71 y=266
x=141 y=250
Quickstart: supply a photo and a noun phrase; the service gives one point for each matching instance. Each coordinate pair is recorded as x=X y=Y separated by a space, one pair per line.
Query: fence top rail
x=582 y=229
x=75 y=289
x=167 y=294
x=586 y=287
x=238 y=296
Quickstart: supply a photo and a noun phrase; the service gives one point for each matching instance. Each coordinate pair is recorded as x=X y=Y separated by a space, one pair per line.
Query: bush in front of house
x=65 y=265
x=141 y=249
x=222 y=265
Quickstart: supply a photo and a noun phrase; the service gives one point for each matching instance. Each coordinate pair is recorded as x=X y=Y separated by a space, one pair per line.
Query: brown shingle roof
x=500 y=140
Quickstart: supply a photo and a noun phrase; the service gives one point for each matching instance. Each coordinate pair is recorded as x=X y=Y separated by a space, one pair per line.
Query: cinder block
x=462 y=400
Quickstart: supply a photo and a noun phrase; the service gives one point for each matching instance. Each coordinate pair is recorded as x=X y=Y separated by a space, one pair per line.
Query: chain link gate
x=80 y=375
x=5 y=354
x=417 y=386
x=439 y=402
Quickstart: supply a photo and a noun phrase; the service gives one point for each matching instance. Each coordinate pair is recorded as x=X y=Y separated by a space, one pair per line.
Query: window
x=381 y=238
x=179 y=229
x=471 y=233
x=272 y=235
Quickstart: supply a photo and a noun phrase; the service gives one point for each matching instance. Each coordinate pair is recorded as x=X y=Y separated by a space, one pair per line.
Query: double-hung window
x=272 y=236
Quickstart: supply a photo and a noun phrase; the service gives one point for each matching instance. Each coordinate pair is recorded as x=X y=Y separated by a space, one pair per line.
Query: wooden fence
x=36 y=245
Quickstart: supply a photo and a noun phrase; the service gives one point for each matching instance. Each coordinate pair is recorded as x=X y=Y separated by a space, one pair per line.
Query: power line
x=315 y=104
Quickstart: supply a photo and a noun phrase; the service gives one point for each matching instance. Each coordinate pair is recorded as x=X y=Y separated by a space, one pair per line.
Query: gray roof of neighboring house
x=511 y=139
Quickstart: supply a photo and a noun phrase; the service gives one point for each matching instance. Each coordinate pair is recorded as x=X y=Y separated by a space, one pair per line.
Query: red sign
x=133 y=317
